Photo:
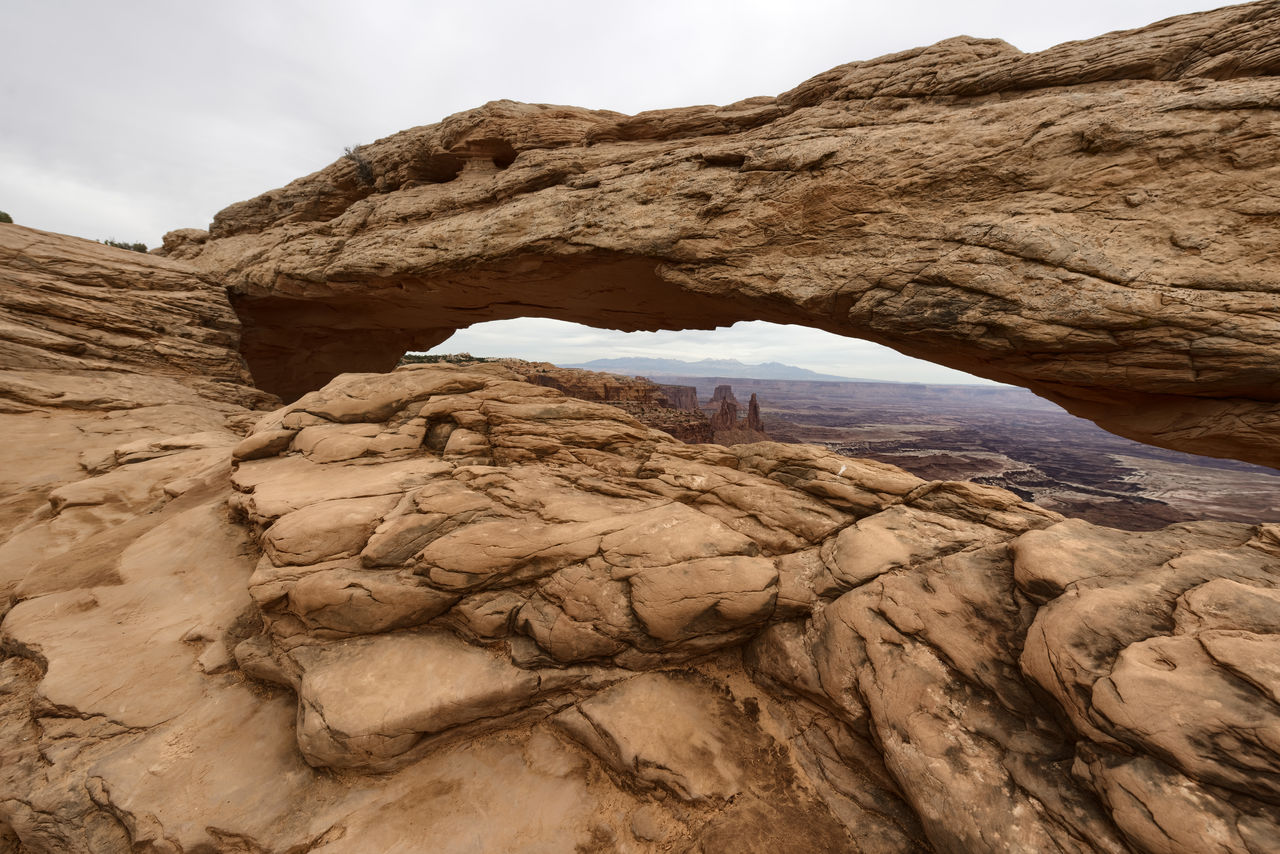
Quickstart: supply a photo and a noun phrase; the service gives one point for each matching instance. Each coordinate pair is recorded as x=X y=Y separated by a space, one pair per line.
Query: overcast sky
x=126 y=119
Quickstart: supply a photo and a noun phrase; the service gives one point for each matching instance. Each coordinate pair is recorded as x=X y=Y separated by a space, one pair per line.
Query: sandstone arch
x=1095 y=222
x=545 y=625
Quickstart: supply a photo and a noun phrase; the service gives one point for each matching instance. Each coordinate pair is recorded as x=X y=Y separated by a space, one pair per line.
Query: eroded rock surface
x=1095 y=222
x=447 y=609
x=670 y=408
x=459 y=580
x=562 y=528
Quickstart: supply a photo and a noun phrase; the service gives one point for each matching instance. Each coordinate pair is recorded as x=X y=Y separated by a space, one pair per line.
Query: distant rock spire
x=753 y=415
x=727 y=417
x=724 y=392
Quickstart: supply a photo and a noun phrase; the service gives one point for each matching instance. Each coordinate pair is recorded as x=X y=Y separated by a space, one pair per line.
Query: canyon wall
x=666 y=408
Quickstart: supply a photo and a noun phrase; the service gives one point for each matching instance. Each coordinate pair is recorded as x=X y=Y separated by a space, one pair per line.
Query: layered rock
x=726 y=417
x=723 y=394
x=1091 y=222
x=681 y=396
x=464 y=580
x=80 y=320
x=508 y=512
x=109 y=357
x=727 y=427
x=450 y=605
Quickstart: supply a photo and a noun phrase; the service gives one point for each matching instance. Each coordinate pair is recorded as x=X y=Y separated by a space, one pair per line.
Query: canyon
x=1010 y=438
x=262 y=591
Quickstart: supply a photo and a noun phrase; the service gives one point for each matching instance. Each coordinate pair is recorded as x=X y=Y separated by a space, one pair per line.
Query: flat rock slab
x=665 y=731
x=373 y=698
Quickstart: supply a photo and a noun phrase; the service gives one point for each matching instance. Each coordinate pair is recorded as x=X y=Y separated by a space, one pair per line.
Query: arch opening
x=937 y=423
x=298 y=334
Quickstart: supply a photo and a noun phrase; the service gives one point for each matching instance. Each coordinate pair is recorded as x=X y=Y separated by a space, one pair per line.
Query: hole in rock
x=499 y=151
x=864 y=400
x=937 y=422
x=439 y=167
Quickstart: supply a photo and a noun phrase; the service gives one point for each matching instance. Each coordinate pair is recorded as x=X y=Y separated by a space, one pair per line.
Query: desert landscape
x=997 y=435
x=265 y=589
x=1010 y=438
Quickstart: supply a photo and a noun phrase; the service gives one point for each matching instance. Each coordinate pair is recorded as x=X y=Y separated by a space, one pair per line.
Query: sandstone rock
x=753 y=422
x=499 y=618
x=365 y=701
x=681 y=397
x=713 y=595
x=671 y=409
x=688 y=750
x=926 y=623
x=726 y=417
x=633 y=548
x=723 y=394
x=74 y=309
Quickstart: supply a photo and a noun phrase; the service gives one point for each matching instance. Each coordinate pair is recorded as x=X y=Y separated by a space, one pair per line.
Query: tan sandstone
x=447 y=609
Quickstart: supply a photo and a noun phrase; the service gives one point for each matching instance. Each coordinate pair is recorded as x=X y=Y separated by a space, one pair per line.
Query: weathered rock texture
x=470 y=584
x=78 y=313
x=1096 y=222
x=447 y=609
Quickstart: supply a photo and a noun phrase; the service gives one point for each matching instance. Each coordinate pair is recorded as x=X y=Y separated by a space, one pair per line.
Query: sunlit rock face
x=465 y=499
x=1092 y=222
x=446 y=608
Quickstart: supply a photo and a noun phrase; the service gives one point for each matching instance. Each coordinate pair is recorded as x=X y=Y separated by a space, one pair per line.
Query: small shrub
x=437 y=358
x=364 y=170
x=4 y=217
x=120 y=244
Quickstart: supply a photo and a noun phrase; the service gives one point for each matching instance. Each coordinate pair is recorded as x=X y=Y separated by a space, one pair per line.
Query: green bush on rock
x=120 y=244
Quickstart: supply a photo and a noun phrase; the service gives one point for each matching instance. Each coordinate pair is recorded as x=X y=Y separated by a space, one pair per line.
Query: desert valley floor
x=1010 y=438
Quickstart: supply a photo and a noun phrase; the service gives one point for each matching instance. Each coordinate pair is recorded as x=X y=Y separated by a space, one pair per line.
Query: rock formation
x=726 y=417
x=470 y=584
x=726 y=427
x=445 y=608
x=1092 y=222
x=681 y=396
x=754 y=422
x=723 y=394
x=664 y=407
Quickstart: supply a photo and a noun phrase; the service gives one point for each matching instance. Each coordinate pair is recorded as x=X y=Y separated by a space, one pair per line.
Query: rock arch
x=1093 y=222
x=896 y=665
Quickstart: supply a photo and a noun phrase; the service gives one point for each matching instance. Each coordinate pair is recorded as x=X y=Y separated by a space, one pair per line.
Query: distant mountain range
x=708 y=368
